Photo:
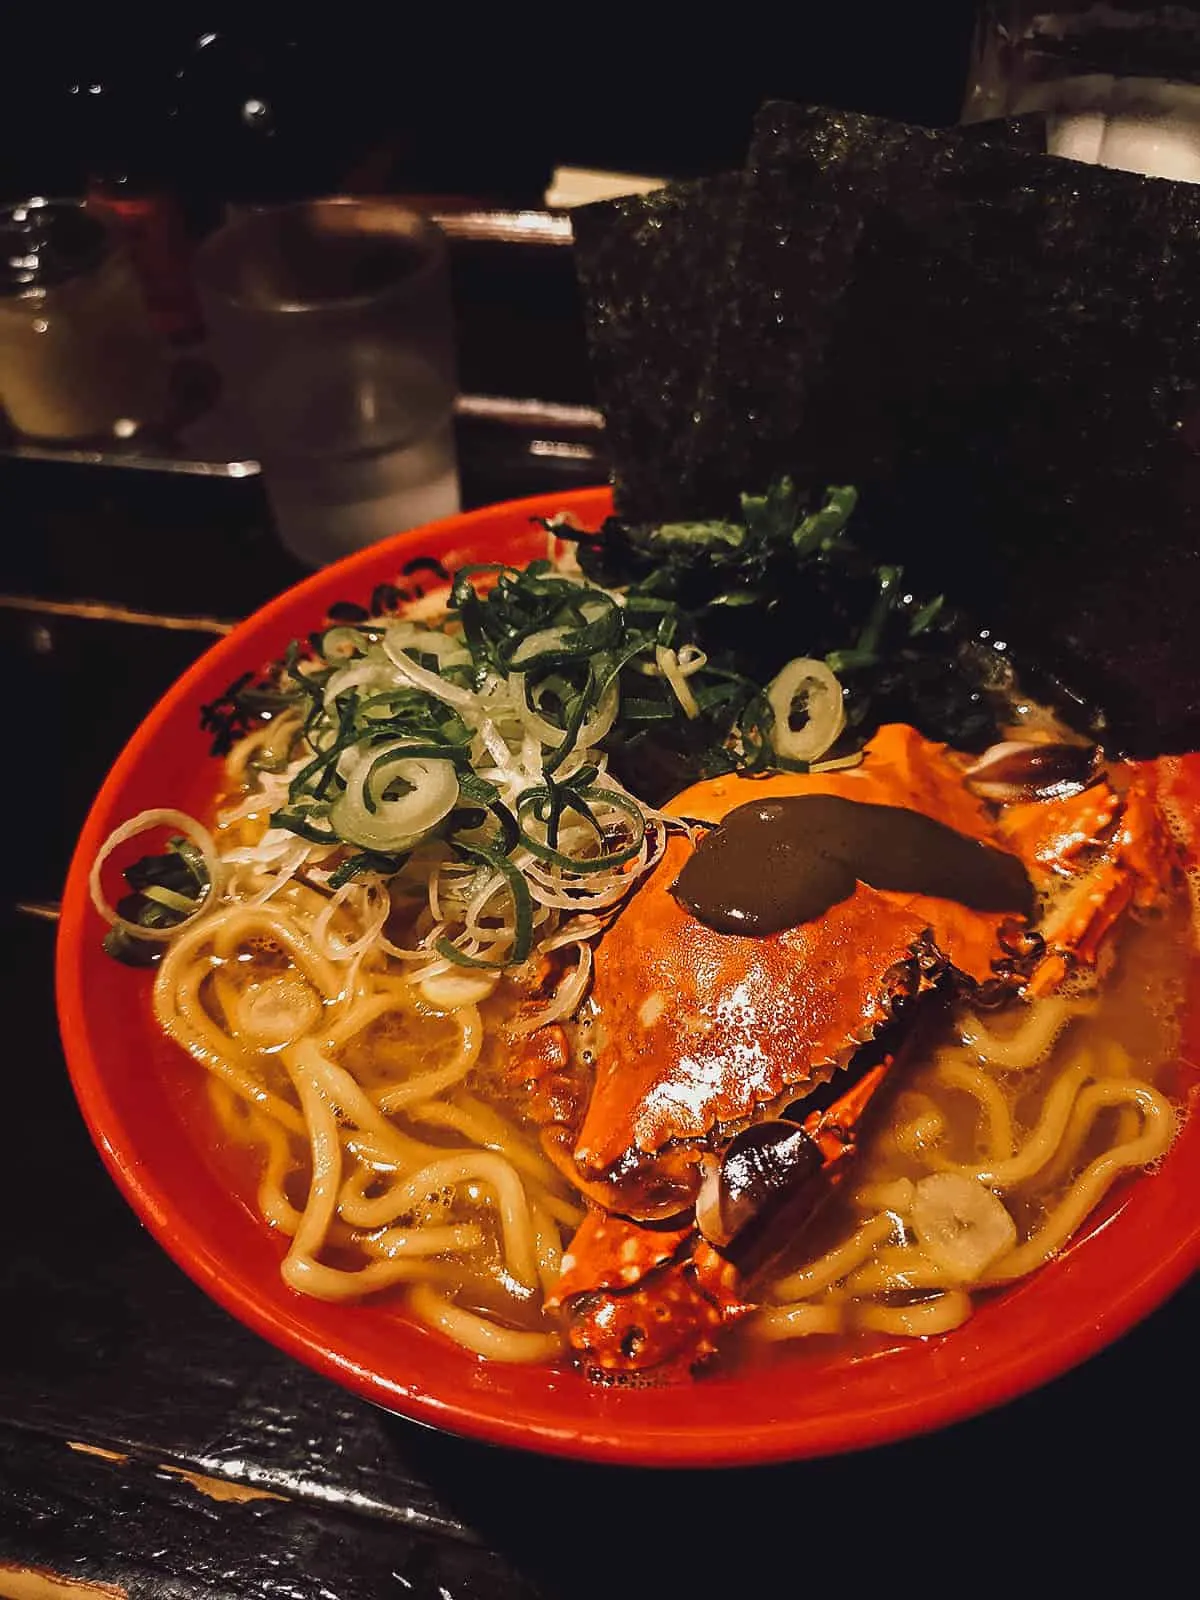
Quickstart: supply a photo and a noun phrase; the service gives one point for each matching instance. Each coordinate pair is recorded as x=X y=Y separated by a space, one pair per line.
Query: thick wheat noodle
x=549 y=1246
x=252 y=1125
x=232 y=1112
x=246 y=1122
x=397 y=1096
x=467 y=1116
x=919 y=1133
x=361 y=1014
x=1119 y=1064
x=835 y=1264
x=365 y=1211
x=190 y=1009
x=902 y=1267
x=896 y=1196
x=798 y=1321
x=394 y=1243
x=181 y=1015
x=272 y=1195
x=301 y=1270
x=479 y=1124
x=379 y=1157
x=356 y=1106
x=1041 y=1144
x=265 y=922
x=1113 y=1061
x=180 y=1012
x=1062 y=1164
x=1029 y=1045
x=956 y=1073
x=485 y=1166
x=938 y=1315
x=326 y=1153
x=570 y=1216
x=477 y=1333
x=1158 y=1129
x=313 y=1278
x=356 y=1183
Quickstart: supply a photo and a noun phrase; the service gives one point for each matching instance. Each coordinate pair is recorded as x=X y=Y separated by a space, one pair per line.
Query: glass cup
x=78 y=356
x=1119 y=83
x=330 y=323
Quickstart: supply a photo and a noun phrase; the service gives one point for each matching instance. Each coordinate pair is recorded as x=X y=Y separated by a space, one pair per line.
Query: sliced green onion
x=557 y=646
x=481 y=790
x=300 y=823
x=421 y=678
x=522 y=910
x=823 y=526
x=387 y=756
x=341 y=644
x=534 y=798
x=157 y=817
x=590 y=732
x=926 y=615
x=667 y=662
x=446 y=947
x=575 y=719
x=811 y=681
x=647 y=711
x=362 y=816
x=417 y=640
x=169 y=898
x=368 y=861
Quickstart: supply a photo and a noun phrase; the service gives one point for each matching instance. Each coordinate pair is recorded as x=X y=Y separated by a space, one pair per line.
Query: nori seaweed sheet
x=785 y=131
x=651 y=330
x=1000 y=348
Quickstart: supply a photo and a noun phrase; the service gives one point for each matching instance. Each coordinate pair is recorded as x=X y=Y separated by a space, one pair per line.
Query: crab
x=702 y=1040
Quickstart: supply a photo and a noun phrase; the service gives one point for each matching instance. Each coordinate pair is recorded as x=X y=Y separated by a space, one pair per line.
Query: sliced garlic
x=960 y=1224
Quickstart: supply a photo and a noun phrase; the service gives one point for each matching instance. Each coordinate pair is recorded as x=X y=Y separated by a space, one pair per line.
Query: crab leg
x=1135 y=862
x=653 y=1299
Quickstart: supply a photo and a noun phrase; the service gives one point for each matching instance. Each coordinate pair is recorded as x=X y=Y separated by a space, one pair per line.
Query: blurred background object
x=243 y=108
x=330 y=323
x=1119 y=83
x=78 y=356
x=176 y=121
x=131 y=155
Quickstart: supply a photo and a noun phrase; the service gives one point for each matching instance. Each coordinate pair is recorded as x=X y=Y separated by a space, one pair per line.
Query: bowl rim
x=1019 y=1371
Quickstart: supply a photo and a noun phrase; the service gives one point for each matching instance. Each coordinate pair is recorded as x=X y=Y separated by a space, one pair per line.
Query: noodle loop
x=331 y=1073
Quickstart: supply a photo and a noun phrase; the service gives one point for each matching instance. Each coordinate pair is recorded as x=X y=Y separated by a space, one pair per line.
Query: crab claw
x=643 y=1299
x=652 y=1300
x=1029 y=770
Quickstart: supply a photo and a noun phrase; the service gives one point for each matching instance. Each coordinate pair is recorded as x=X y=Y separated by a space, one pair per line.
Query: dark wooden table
x=150 y=1443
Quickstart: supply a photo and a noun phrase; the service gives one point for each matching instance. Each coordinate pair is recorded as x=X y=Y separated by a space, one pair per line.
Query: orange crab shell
x=660 y=1297
x=704 y=1028
x=650 y=1301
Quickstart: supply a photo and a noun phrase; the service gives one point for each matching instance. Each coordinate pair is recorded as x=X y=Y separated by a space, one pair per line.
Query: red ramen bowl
x=143 y=1100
